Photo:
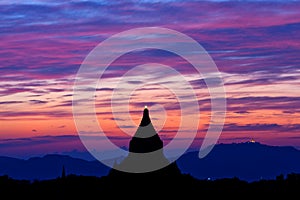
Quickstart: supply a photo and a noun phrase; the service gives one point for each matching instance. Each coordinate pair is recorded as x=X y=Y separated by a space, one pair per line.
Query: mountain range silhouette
x=246 y=161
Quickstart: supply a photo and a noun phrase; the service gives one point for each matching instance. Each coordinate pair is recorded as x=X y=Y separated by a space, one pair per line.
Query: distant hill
x=246 y=161
x=49 y=167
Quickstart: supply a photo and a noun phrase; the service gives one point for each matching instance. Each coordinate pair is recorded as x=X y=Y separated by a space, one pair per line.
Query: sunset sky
x=255 y=45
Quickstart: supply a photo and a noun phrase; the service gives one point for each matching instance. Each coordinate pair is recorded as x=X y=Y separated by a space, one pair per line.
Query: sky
x=254 y=44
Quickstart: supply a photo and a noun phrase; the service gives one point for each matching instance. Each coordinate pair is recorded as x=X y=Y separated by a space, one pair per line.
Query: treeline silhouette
x=149 y=186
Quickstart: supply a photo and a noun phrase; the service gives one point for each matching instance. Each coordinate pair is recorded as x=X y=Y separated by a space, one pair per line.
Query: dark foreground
x=142 y=187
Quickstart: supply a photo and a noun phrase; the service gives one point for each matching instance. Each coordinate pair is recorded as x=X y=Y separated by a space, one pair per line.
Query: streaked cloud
x=275 y=128
x=255 y=45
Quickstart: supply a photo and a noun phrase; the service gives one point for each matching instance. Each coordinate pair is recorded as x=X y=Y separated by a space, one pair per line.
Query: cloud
x=248 y=104
x=265 y=102
x=15 y=114
x=127 y=126
x=142 y=104
x=67 y=95
x=268 y=79
x=56 y=90
x=252 y=29
x=201 y=83
x=39 y=145
x=36 y=101
x=104 y=89
x=10 y=102
x=67 y=103
x=242 y=112
x=10 y=91
x=273 y=127
x=135 y=82
x=34 y=140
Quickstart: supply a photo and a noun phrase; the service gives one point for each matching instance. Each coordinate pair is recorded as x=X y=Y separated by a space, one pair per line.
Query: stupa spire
x=146 y=152
x=146 y=118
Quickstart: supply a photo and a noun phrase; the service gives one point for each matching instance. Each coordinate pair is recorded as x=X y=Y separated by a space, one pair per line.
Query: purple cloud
x=10 y=102
x=274 y=127
x=35 y=101
x=247 y=104
x=10 y=91
x=14 y=114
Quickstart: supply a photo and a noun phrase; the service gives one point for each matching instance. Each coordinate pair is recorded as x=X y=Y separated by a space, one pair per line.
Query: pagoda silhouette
x=145 y=154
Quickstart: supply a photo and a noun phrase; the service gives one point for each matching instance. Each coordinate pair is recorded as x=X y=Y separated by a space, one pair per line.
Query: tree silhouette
x=63 y=173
